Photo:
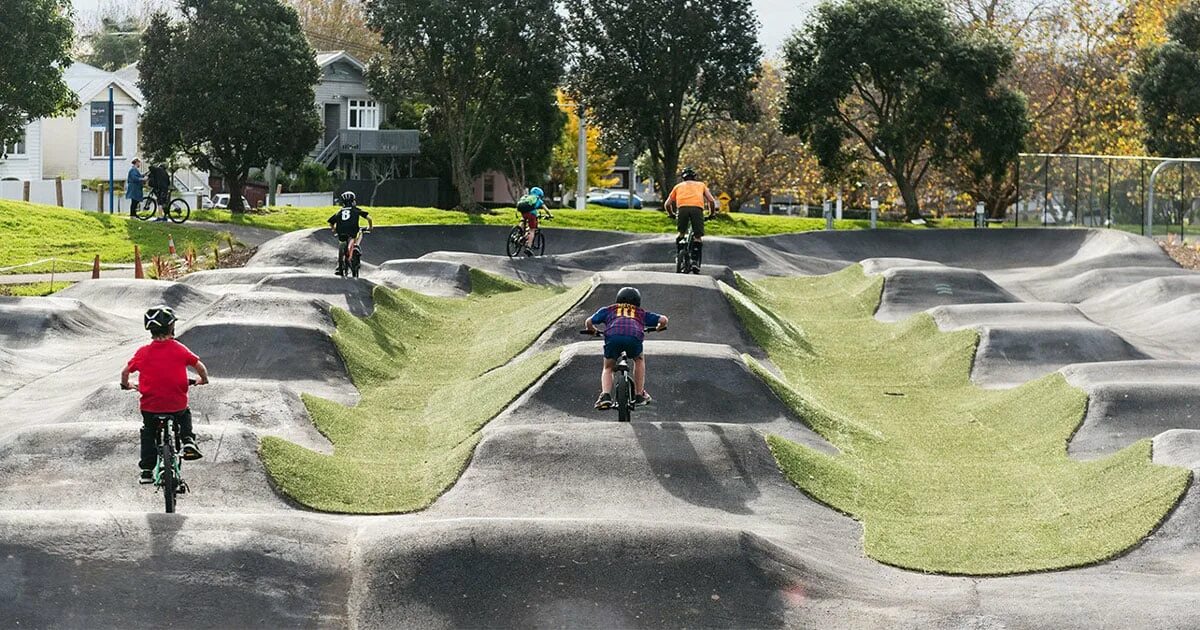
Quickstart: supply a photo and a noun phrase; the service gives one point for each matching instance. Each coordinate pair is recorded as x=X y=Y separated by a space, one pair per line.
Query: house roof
x=324 y=58
x=89 y=82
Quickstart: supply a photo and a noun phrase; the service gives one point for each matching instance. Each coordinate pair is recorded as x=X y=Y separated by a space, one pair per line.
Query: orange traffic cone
x=137 y=263
x=96 y=268
x=171 y=244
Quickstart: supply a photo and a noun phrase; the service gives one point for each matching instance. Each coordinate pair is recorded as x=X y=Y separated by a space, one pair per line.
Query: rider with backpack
x=345 y=224
x=686 y=204
x=528 y=206
x=624 y=331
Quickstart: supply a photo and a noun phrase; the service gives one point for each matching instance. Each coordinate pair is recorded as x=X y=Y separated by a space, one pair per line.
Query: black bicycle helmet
x=158 y=319
x=629 y=295
x=348 y=198
x=687 y=174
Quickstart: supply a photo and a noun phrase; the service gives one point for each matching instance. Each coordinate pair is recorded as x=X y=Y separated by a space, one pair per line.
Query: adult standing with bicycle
x=687 y=204
x=160 y=188
x=135 y=187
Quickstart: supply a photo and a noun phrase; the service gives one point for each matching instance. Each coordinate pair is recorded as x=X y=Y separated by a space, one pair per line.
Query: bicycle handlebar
x=133 y=386
x=600 y=332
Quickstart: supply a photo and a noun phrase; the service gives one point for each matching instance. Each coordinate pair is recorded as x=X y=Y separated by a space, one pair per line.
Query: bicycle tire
x=516 y=241
x=355 y=262
x=539 y=243
x=683 y=258
x=623 y=397
x=169 y=482
x=148 y=209
x=179 y=210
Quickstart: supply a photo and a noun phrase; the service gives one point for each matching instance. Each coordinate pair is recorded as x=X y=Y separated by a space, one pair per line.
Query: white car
x=222 y=201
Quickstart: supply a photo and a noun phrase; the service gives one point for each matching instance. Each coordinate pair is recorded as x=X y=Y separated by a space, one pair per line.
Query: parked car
x=614 y=199
x=222 y=201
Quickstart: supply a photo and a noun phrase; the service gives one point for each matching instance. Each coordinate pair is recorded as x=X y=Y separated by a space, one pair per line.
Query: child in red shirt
x=163 y=384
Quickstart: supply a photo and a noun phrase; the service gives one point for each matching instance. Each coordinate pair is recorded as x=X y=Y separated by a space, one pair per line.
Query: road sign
x=100 y=115
x=724 y=200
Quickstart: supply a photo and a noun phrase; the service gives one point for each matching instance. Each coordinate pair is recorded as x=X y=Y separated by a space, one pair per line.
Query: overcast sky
x=778 y=17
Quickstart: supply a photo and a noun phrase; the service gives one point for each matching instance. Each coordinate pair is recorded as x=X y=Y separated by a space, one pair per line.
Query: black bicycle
x=683 y=250
x=178 y=210
x=350 y=256
x=623 y=393
x=516 y=238
x=168 y=467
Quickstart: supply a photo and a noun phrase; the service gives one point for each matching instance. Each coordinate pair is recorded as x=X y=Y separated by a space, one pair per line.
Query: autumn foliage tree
x=564 y=162
x=1165 y=84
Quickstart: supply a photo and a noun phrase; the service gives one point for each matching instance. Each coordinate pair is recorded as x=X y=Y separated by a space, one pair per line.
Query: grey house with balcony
x=352 y=140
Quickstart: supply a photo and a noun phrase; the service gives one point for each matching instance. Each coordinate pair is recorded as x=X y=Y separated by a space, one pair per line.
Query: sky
x=777 y=17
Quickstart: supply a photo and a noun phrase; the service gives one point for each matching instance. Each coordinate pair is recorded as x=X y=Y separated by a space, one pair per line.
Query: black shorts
x=693 y=215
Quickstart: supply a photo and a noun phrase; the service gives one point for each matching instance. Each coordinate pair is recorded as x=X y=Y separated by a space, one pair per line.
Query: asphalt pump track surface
x=565 y=518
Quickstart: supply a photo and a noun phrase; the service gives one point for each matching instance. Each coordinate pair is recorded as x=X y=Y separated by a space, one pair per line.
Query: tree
x=892 y=81
x=1168 y=101
x=35 y=44
x=564 y=163
x=525 y=143
x=226 y=101
x=651 y=71
x=748 y=159
x=116 y=44
x=338 y=25
x=482 y=66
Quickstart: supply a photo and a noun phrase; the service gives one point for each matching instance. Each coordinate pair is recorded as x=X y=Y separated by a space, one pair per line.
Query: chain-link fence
x=1058 y=190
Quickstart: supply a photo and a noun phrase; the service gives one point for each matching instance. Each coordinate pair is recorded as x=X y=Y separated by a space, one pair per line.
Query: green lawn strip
x=432 y=372
x=596 y=218
x=33 y=289
x=34 y=232
x=945 y=476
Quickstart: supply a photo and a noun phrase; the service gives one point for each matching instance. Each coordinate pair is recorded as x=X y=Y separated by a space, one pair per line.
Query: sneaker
x=146 y=477
x=529 y=251
x=190 y=452
x=642 y=399
x=339 y=272
x=695 y=268
x=604 y=401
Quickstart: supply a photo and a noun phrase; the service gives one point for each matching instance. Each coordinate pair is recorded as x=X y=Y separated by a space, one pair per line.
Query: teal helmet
x=537 y=192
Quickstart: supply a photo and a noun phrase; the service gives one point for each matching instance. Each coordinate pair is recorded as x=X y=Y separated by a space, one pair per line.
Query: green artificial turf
x=432 y=372
x=595 y=218
x=945 y=476
x=33 y=232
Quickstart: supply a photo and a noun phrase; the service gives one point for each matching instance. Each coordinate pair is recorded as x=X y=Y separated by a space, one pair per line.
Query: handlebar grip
x=192 y=381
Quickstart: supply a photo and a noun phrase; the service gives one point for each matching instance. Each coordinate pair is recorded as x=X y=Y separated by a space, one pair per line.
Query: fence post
x=1142 y=199
x=1076 y=220
x=100 y=203
x=25 y=192
x=1017 y=206
x=1108 y=214
x=1182 y=195
x=1046 y=191
x=874 y=212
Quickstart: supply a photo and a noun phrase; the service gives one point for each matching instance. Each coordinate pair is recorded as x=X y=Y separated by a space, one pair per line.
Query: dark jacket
x=160 y=181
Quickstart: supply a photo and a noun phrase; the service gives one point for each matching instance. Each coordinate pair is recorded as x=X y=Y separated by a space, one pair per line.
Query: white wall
x=28 y=166
x=43 y=191
x=305 y=200
x=60 y=148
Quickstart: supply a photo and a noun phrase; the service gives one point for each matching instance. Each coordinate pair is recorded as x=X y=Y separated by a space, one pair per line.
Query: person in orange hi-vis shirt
x=687 y=204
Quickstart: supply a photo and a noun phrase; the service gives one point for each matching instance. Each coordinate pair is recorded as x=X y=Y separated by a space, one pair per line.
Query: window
x=364 y=115
x=489 y=187
x=17 y=150
x=100 y=139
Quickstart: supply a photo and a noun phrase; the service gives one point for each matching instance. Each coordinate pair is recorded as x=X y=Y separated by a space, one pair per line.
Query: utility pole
x=581 y=176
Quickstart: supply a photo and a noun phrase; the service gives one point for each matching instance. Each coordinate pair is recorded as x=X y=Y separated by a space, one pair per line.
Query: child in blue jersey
x=624 y=330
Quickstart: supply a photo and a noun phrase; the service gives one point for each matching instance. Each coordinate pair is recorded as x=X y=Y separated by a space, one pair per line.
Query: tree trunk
x=464 y=184
x=235 y=183
x=908 y=193
x=670 y=167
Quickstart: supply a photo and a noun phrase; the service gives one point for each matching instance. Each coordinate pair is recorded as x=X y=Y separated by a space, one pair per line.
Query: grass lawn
x=35 y=289
x=945 y=476
x=34 y=232
x=432 y=372
x=595 y=218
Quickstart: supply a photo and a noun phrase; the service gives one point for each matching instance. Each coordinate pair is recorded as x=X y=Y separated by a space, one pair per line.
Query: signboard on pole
x=100 y=115
x=724 y=200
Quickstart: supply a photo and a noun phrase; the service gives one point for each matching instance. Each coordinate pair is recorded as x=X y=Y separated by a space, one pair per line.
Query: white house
x=68 y=147
x=72 y=149
x=23 y=160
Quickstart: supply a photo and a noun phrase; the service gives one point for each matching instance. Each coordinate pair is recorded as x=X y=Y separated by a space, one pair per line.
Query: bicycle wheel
x=516 y=241
x=148 y=209
x=355 y=262
x=179 y=211
x=624 y=398
x=539 y=243
x=683 y=258
x=169 y=482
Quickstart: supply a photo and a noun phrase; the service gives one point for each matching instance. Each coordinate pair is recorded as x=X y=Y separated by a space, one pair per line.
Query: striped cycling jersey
x=626 y=320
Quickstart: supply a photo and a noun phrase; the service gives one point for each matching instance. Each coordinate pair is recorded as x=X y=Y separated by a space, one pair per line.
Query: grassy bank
x=33 y=289
x=945 y=476
x=432 y=372
x=648 y=221
x=34 y=232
